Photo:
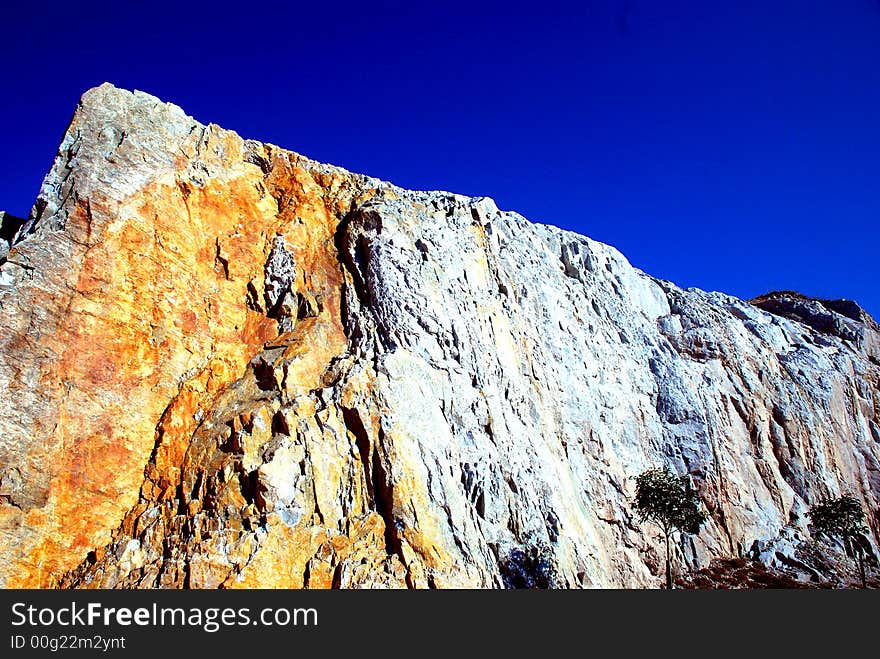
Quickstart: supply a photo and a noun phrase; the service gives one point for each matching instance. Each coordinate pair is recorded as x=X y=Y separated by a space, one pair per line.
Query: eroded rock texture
x=226 y=365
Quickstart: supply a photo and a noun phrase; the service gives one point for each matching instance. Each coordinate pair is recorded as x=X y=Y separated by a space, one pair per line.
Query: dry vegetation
x=741 y=573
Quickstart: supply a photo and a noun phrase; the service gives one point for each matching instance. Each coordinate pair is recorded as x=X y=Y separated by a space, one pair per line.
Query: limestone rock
x=228 y=365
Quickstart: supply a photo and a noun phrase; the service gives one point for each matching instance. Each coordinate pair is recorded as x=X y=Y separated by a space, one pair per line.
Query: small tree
x=670 y=502
x=529 y=567
x=842 y=518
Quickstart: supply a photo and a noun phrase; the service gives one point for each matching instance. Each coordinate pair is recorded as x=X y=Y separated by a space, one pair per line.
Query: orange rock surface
x=153 y=323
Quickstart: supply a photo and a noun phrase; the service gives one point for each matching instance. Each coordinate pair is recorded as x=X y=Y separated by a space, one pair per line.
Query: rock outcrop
x=9 y=226
x=226 y=365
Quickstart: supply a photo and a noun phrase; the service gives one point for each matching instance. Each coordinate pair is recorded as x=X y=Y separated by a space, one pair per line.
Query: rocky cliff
x=226 y=365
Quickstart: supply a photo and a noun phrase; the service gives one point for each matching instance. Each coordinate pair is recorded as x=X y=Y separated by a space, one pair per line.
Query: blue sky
x=731 y=146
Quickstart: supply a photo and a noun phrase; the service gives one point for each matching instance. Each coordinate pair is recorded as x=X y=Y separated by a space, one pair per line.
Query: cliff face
x=227 y=365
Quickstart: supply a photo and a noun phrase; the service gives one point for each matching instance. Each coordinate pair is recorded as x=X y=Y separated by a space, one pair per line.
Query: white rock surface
x=533 y=373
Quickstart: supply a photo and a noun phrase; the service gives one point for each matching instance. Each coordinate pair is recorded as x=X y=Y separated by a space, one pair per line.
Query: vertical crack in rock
x=384 y=501
x=353 y=423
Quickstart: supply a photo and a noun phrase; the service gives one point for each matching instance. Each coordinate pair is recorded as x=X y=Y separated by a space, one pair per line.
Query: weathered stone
x=229 y=365
x=9 y=226
x=280 y=273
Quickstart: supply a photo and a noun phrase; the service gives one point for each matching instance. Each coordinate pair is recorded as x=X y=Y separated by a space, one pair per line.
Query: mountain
x=226 y=365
